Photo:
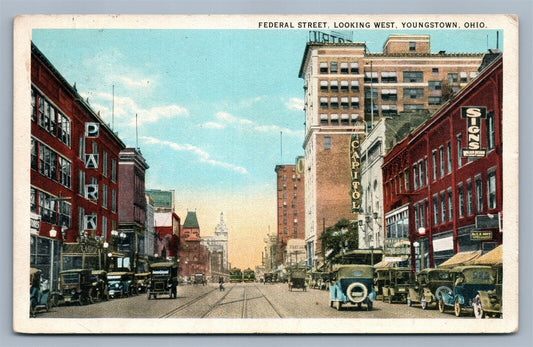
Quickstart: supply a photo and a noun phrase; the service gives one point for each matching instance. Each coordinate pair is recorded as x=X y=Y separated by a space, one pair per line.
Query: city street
x=241 y=300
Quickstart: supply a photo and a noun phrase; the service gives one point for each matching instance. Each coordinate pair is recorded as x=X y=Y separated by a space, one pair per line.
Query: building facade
x=290 y=206
x=444 y=181
x=193 y=256
x=347 y=90
x=74 y=176
x=217 y=246
x=167 y=227
x=149 y=231
x=132 y=209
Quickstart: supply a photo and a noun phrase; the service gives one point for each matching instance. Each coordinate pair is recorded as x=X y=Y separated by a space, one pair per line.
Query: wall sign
x=91 y=191
x=92 y=129
x=90 y=222
x=355 y=164
x=473 y=115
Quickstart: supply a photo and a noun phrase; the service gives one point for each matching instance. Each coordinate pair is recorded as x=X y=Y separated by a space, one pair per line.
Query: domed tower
x=221 y=235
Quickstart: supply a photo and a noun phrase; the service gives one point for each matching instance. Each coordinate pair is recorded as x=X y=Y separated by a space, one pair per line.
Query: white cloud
x=229 y=118
x=135 y=83
x=212 y=125
x=202 y=155
x=295 y=104
x=278 y=129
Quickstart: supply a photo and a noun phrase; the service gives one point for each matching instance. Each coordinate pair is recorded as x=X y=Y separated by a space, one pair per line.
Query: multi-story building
x=149 y=226
x=192 y=255
x=217 y=246
x=167 y=227
x=163 y=199
x=132 y=208
x=74 y=175
x=347 y=90
x=290 y=207
x=444 y=181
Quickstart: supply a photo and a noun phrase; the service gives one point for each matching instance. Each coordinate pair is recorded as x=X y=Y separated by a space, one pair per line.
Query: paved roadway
x=241 y=300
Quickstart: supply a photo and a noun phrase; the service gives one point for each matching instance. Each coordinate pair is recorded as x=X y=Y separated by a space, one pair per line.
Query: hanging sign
x=92 y=129
x=91 y=191
x=355 y=165
x=473 y=115
x=90 y=222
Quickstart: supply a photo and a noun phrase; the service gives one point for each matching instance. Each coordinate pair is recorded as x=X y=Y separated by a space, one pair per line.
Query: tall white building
x=217 y=247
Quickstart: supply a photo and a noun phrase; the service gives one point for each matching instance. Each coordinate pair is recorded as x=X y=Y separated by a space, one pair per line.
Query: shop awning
x=390 y=262
x=461 y=258
x=493 y=257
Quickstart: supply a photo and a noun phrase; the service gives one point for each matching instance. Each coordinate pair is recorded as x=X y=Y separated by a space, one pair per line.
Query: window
x=64 y=213
x=459 y=150
x=464 y=78
x=413 y=76
x=63 y=129
x=334 y=102
x=113 y=170
x=334 y=119
x=81 y=186
x=33 y=106
x=327 y=142
x=434 y=157
x=435 y=70
x=344 y=87
x=421 y=174
x=81 y=218
x=434 y=100
x=413 y=93
x=334 y=86
x=344 y=103
x=33 y=200
x=104 y=163
x=422 y=213
x=490 y=130
x=333 y=67
x=435 y=209
x=449 y=156
x=389 y=94
x=469 y=200
x=104 y=225
x=452 y=78
x=34 y=155
x=479 y=194
x=450 y=205
x=441 y=160
x=344 y=68
x=345 y=119
x=460 y=195
x=389 y=110
x=324 y=119
x=417 y=225
x=406 y=177
x=491 y=189
x=324 y=86
x=47 y=162
x=104 y=195
x=434 y=86
x=285 y=230
x=412 y=46
x=323 y=103
x=355 y=102
x=113 y=200
x=47 y=208
x=413 y=107
x=442 y=207
x=415 y=177
x=371 y=77
x=389 y=77
x=354 y=68
x=426 y=170
x=355 y=86
x=323 y=67
x=65 y=172
x=371 y=93
x=81 y=148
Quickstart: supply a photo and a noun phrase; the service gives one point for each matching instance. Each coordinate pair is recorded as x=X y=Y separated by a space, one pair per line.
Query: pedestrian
x=221 y=284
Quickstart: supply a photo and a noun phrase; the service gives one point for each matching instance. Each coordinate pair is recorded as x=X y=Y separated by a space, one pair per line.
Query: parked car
x=39 y=293
x=396 y=284
x=297 y=279
x=141 y=281
x=381 y=277
x=489 y=302
x=199 y=278
x=163 y=280
x=74 y=287
x=120 y=284
x=99 y=290
x=352 y=284
x=468 y=281
x=430 y=283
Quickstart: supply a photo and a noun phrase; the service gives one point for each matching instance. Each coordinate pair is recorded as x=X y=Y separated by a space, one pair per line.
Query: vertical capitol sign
x=355 y=165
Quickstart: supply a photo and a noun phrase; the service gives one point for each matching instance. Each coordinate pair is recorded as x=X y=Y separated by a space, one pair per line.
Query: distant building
x=443 y=183
x=347 y=90
x=149 y=228
x=73 y=176
x=217 y=246
x=290 y=206
x=192 y=255
x=167 y=234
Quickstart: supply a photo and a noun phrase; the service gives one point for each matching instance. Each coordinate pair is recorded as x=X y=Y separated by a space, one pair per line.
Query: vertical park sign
x=355 y=165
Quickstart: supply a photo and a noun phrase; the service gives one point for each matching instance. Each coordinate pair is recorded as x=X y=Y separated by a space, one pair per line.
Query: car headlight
x=73 y=291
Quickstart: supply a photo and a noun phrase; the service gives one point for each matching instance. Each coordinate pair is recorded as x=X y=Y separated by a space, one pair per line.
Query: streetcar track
x=244 y=305
x=269 y=302
x=187 y=304
x=211 y=308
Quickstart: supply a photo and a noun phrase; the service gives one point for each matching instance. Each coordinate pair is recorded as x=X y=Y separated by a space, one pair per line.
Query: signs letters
x=473 y=115
x=355 y=165
x=90 y=222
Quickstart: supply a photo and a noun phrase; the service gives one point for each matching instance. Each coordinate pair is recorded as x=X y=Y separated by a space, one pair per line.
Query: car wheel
x=479 y=313
x=457 y=308
x=440 y=290
x=441 y=305
x=409 y=302
x=331 y=303
x=424 y=304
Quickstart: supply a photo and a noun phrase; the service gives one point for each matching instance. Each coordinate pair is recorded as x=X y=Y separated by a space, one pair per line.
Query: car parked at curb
x=352 y=284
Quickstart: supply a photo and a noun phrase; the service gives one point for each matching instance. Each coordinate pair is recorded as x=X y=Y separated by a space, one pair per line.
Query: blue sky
x=211 y=105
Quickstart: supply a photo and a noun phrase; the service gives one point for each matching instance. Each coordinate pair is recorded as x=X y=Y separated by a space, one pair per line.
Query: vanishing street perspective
x=390 y=205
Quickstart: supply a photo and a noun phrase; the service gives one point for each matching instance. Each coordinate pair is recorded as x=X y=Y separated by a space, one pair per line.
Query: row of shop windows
x=50 y=118
x=50 y=164
x=353 y=103
x=50 y=209
x=397 y=226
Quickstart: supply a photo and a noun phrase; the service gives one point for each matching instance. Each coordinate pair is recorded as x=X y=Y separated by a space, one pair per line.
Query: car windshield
x=355 y=271
x=71 y=278
x=402 y=276
x=478 y=275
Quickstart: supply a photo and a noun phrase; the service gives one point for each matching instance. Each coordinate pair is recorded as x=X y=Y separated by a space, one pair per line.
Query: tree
x=343 y=236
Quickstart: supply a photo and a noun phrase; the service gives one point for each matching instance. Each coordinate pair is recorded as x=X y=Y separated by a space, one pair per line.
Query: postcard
x=238 y=174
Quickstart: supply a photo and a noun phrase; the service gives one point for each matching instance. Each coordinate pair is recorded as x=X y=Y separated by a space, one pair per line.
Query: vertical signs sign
x=355 y=165
x=92 y=130
x=473 y=115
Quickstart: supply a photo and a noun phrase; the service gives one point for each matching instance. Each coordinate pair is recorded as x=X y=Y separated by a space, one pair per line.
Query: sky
x=212 y=111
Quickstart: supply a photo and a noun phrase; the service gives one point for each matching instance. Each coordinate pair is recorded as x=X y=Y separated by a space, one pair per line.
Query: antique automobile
x=468 y=280
x=381 y=277
x=163 y=280
x=489 y=302
x=74 y=287
x=120 y=284
x=430 y=283
x=396 y=285
x=268 y=278
x=99 y=290
x=39 y=293
x=199 y=278
x=297 y=279
x=352 y=284
x=141 y=281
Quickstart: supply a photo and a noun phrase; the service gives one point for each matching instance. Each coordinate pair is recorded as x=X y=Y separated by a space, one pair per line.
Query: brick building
x=443 y=200
x=74 y=175
x=193 y=256
x=347 y=90
x=132 y=208
x=167 y=226
x=290 y=207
